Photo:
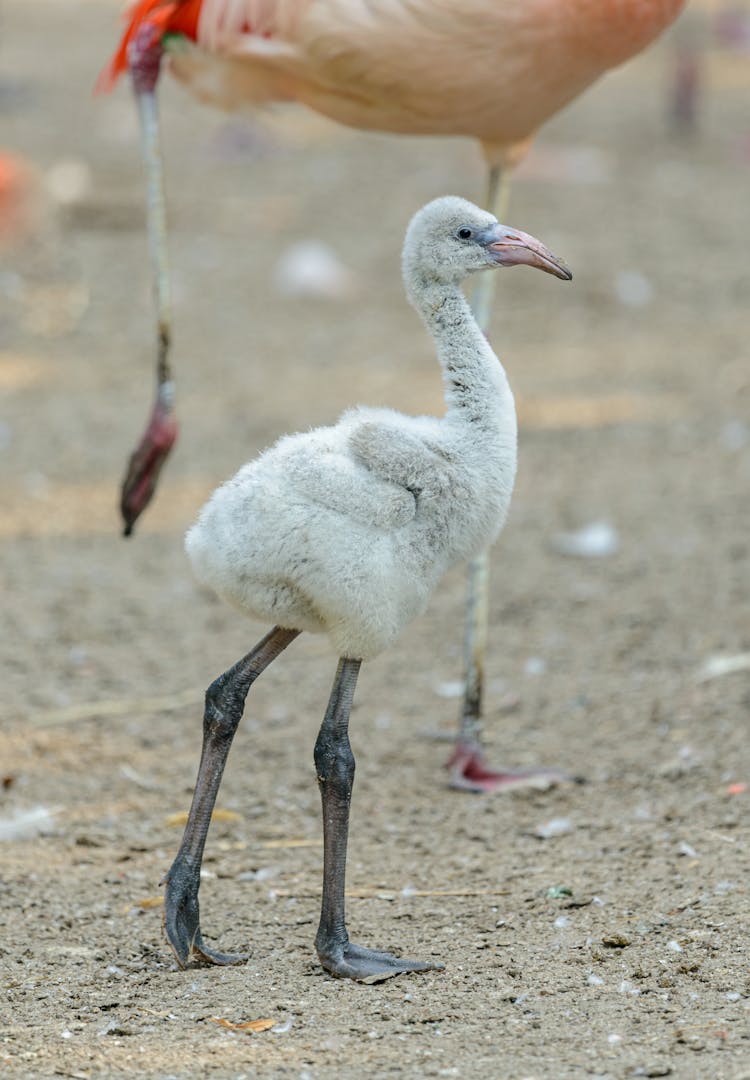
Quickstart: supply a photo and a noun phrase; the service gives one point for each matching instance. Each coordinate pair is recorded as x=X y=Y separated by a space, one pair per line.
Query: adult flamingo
x=492 y=69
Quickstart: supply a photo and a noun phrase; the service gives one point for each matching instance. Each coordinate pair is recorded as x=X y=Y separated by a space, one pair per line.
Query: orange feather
x=165 y=16
x=495 y=69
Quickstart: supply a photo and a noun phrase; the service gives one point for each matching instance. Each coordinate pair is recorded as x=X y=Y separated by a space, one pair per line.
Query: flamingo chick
x=346 y=530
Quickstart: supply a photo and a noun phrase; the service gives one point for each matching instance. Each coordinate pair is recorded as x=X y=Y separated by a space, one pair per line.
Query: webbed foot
x=182 y=920
x=469 y=772
x=350 y=961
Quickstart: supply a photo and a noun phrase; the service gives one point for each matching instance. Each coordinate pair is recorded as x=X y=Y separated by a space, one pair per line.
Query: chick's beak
x=511 y=247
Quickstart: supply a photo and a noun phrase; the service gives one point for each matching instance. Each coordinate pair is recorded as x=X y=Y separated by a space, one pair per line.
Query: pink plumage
x=494 y=69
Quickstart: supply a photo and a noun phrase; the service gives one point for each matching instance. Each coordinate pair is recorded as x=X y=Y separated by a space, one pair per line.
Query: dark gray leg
x=334 y=762
x=225 y=702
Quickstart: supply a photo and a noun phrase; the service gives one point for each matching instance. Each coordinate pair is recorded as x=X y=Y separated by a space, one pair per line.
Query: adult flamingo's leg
x=467 y=766
x=144 y=58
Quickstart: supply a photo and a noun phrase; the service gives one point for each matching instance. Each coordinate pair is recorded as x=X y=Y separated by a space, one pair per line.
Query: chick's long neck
x=477 y=392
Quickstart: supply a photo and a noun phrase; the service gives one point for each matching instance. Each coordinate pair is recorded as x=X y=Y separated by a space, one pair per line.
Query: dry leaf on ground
x=247 y=1025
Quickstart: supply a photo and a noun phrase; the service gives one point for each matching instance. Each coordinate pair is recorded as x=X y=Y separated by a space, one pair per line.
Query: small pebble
x=734 y=435
x=594 y=541
x=633 y=289
x=719 y=665
x=263 y=873
x=616 y=940
x=450 y=688
x=535 y=665
x=69 y=181
x=311 y=269
x=25 y=824
x=557 y=892
x=554 y=827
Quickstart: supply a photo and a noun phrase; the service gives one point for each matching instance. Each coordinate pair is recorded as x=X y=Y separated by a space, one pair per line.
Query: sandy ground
x=610 y=943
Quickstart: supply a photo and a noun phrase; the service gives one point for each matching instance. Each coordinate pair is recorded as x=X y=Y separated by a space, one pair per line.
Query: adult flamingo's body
x=492 y=69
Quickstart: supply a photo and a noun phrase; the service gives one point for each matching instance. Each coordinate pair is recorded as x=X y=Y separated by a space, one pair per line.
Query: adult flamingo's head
x=451 y=238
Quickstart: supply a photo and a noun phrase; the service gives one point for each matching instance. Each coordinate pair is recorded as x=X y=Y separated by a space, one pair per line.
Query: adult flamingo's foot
x=350 y=961
x=182 y=921
x=147 y=459
x=468 y=771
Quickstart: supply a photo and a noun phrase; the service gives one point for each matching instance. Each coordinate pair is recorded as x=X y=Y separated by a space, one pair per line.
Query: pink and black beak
x=511 y=247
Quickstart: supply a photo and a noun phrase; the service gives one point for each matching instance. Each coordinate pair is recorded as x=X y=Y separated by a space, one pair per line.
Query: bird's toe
x=372 y=965
x=468 y=771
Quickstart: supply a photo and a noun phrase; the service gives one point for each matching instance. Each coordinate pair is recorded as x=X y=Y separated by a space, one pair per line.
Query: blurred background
x=620 y=640
x=288 y=306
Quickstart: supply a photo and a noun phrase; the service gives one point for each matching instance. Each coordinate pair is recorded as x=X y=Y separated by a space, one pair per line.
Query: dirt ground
x=596 y=929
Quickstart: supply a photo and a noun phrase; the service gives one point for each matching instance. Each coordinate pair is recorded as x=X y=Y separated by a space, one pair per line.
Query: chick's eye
x=465 y=233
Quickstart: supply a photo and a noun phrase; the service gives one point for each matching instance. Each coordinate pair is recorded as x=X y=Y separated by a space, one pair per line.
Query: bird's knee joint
x=223 y=707
x=334 y=763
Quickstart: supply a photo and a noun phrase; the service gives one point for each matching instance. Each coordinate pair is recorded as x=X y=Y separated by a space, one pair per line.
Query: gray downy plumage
x=346 y=530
